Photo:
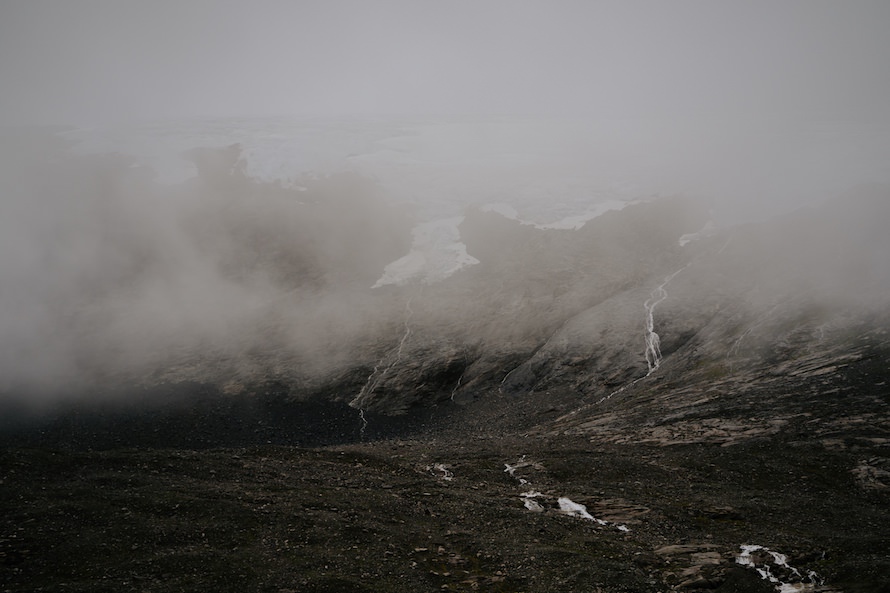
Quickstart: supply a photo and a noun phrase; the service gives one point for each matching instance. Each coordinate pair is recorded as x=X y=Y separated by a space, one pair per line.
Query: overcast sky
x=90 y=61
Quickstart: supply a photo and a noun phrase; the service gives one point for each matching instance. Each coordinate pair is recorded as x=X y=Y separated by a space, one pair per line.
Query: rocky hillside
x=621 y=306
x=236 y=285
x=644 y=404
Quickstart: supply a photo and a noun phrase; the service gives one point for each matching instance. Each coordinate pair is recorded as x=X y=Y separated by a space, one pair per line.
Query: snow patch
x=571 y=508
x=440 y=470
x=436 y=253
x=533 y=505
x=579 y=220
x=521 y=463
x=505 y=210
x=766 y=561
x=566 y=506
x=706 y=231
x=573 y=222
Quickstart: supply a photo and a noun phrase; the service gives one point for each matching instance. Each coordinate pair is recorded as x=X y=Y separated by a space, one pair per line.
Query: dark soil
x=108 y=505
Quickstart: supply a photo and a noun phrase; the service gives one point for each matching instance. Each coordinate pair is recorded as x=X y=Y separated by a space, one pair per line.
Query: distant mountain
x=620 y=307
x=208 y=383
x=236 y=285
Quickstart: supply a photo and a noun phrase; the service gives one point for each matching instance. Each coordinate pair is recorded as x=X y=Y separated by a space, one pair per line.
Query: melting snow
x=578 y=510
x=578 y=221
x=572 y=508
x=440 y=470
x=505 y=210
x=573 y=222
x=765 y=570
x=706 y=231
x=511 y=469
x=566 y=505
x=533 y=505
x=437 y=253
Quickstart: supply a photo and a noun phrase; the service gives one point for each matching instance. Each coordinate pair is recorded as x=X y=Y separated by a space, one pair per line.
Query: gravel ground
x=439 y=510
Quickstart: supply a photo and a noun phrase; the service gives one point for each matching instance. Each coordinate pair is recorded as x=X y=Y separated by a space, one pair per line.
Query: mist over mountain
x=464 y=296
x=227 y=280
x=634 y=344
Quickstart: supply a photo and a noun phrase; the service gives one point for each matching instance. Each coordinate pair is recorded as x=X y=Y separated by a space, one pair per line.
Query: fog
x=757 y=104
x=91 y=61
x=109 y=272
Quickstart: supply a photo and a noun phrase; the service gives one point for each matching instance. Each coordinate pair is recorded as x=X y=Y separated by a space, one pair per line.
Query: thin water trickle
x=653 y=340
